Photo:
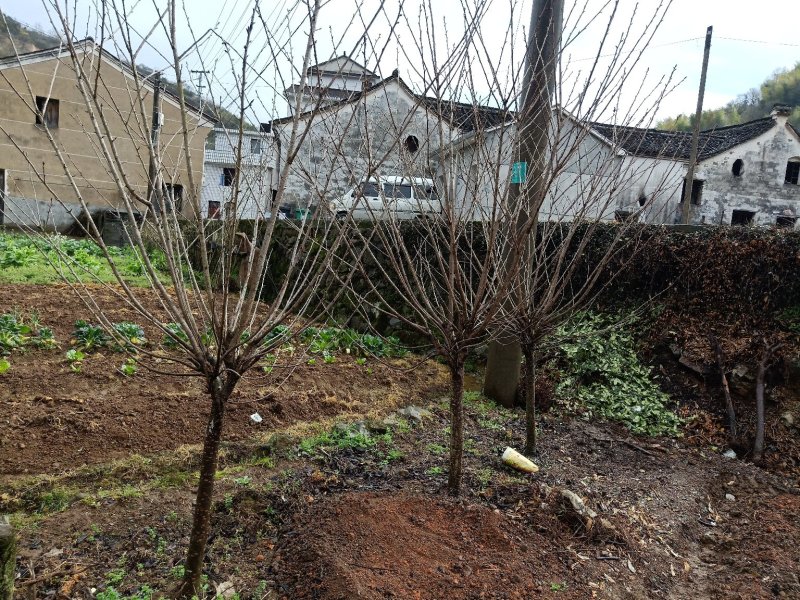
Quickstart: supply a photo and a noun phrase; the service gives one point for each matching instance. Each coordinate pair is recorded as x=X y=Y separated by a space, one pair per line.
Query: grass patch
x=55 y=258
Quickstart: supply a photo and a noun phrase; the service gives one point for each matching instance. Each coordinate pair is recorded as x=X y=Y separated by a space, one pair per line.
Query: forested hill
x=28 y=39
x=783 y=87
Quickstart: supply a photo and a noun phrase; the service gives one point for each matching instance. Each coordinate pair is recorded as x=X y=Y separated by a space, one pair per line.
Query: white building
x=350 y=132
x=745 y=174
x=334 y=80
x=257 y=178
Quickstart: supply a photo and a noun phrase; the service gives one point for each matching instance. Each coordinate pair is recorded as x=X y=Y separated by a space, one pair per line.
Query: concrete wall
x=344 y=144
x=40 y=192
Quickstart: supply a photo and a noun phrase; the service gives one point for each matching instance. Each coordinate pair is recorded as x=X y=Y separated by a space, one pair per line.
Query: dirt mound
x=385 y=546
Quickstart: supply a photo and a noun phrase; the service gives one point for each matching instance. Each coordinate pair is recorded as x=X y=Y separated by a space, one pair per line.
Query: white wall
x=588 y=180
x=256 y=180
x=345 y=143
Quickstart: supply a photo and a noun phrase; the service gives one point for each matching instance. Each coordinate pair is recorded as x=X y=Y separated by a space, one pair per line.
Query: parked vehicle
x=389 y=196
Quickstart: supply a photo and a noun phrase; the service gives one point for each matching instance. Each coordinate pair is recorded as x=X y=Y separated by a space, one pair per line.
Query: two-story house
x=102 y=164
x=242 y=169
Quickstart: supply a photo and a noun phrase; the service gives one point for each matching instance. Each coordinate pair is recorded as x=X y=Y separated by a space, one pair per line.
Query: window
x=412 y=144
x=738 y=167
x=742 y=217
x=228 y=176
x=255 y=146
x=173 y=196
x=211 y=141
x=370 y=190
x=697 y=191
x=793 y=171
x=214 y=209
x=785 y=222
x=47 y=112
x=396 y=190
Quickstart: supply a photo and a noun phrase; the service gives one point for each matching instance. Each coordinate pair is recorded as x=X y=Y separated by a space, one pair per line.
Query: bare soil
x=52 y=419
x=683 y=521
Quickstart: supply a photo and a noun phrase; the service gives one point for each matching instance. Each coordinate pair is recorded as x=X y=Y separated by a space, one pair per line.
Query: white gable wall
x=593 y=181
x=760 y=188
x=346 y=143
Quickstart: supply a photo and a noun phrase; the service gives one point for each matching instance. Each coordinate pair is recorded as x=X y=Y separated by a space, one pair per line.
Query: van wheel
x=341 y=215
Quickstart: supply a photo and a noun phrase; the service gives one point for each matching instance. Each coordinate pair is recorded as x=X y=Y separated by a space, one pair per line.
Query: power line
x=759 y=42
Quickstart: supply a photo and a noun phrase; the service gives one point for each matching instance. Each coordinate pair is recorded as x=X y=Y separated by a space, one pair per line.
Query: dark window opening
x=412 y=144
x=173 y=193
x=255 y=146
x=785 y=222
x=793 y=171
x=211 y=141
x=697 y=191
x=370 y=190
x=214 y=209
x=623 y=216
x=642 y=200
x=742 y=217
x=396 y=190
x=738 y=167
x=47 y=112
x=228 y=176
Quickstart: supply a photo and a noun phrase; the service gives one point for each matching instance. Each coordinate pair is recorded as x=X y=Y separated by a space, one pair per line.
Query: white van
x=387 y=197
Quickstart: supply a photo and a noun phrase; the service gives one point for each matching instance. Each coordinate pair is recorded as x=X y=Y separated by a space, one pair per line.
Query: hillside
x=783 y=87
x=28 y=39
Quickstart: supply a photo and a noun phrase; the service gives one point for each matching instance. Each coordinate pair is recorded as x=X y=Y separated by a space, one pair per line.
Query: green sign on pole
x=519 y=172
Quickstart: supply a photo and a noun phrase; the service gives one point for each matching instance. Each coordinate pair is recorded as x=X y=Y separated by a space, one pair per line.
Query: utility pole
x=155 y=129
x=528 y=180
x=200 y=85
x=688 y=184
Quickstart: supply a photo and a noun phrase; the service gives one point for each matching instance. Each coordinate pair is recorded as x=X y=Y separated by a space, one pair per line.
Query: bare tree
x=763 y=363
x=151 y=169
x=580 y=178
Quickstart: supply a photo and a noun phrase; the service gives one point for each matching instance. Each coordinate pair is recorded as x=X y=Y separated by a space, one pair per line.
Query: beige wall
x=129 y=125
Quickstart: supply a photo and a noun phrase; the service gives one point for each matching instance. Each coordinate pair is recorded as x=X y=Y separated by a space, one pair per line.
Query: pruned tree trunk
x=725 y=388
x=8 y=560
x=201 y=523
x=530 y=400
x=758 y=445
x=456 y=429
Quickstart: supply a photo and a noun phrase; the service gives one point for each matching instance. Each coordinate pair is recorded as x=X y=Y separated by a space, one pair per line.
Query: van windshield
x=396 y=190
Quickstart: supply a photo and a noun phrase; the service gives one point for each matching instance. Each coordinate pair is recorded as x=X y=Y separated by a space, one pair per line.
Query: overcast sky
x=750 y=40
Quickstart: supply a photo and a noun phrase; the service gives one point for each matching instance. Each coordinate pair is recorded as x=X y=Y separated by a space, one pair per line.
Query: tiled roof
x=467 y=117
x=656 y=143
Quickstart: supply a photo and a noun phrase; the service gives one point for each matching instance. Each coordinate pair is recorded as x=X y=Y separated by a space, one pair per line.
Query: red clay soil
x=370 y=546
x=52 y=419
